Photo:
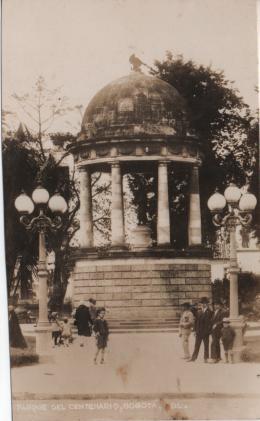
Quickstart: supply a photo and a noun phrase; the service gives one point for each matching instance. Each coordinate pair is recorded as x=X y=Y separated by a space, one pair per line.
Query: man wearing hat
x=185 y=328
x=217 y=324
x=202 y=330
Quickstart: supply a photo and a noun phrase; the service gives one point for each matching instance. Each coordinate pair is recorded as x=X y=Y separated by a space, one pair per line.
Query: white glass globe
x=216 y=202
x=40 y=196
x=247 y=202
x=57 y=203
x=51 y=257
x=24 y=204
x=232 y=193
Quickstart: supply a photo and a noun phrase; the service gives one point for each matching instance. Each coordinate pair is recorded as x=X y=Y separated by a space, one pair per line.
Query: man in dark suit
x=217 y=324
x=203 y=326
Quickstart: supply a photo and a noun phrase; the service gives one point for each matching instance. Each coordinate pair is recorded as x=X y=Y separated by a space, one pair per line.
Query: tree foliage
x=216 y=111
x=248 y=286
x=19 y=171
x=29 y=154
x=21 y=167
x=218 y=115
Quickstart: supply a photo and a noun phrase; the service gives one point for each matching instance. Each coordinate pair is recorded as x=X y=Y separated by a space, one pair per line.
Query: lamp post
x=50 y=269
x=41 y=223
x=230 y=210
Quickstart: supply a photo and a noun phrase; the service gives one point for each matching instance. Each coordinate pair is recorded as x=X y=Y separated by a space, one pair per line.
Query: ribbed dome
x=132 y=105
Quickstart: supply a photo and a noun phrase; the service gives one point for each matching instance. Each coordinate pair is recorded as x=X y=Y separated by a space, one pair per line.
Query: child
x=228 y=335
x=185 y=328
x=101 y=330
x=55 y=328
x=66 y=332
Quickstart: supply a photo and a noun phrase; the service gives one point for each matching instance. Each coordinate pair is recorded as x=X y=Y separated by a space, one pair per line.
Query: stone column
x=163 y=211
x=117 y=208
x=194 y=224
x=86 y=222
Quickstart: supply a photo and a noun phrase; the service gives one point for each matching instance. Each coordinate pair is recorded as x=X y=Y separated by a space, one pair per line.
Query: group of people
x=89 y=320
x=206 y=322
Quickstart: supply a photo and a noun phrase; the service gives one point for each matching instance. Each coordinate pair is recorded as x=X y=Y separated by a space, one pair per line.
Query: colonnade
x=117 y=208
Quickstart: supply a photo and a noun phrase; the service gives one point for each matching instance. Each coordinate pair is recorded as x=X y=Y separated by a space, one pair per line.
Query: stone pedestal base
x=137 y=288
x=238 y=347
x=119 y=248
x=141 y=238
x=43 y=340
x=237 y=353
x=89 y=251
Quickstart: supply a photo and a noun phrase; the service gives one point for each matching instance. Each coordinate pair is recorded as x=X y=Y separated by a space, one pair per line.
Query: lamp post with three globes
x=229 y=210
x=41 y=223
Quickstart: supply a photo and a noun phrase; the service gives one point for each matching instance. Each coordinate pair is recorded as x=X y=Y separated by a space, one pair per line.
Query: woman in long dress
x=16 y=338
x=83 y=322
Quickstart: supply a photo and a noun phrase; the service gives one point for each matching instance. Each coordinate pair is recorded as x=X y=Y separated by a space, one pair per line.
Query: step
x=173 y=319
x=159 y=330
x=141 y=323
x=143 y=326
x=147 y=321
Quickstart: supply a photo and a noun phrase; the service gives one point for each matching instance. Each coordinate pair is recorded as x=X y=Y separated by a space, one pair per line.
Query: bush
x=246 y=356
x=248 y=286
x=26 y=356
x=250 y=356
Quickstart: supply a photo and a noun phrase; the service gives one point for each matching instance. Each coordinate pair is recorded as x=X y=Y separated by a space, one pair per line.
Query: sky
x=81 y=45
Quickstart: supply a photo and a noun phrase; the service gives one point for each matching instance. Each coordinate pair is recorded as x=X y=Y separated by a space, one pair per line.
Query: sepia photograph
x=131 y=203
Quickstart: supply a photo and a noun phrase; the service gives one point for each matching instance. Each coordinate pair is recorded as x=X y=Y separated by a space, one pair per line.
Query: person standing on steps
x=83 y=322
x=203 y=326
x=185 y=328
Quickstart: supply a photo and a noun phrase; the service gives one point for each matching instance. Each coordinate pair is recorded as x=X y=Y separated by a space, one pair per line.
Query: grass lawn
x=25 y=356
x=252 y=352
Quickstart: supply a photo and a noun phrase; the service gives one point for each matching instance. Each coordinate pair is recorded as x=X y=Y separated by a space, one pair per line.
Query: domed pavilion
x=135 y=121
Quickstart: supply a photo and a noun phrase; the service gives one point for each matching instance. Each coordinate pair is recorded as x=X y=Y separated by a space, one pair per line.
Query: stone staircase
x=143 y=325
x=140 y=325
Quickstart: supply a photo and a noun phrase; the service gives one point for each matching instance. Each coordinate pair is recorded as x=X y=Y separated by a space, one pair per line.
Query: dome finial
x=136 y=63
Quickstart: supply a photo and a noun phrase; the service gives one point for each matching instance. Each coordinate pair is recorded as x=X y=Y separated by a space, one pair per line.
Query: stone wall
x=148 y=289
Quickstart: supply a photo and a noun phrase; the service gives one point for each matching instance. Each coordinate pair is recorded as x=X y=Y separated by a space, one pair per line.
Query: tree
x=248 y=286
x=226 y=128
x=40 y=109
x=28 y=151
x=221 y=119
x=19 y=171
